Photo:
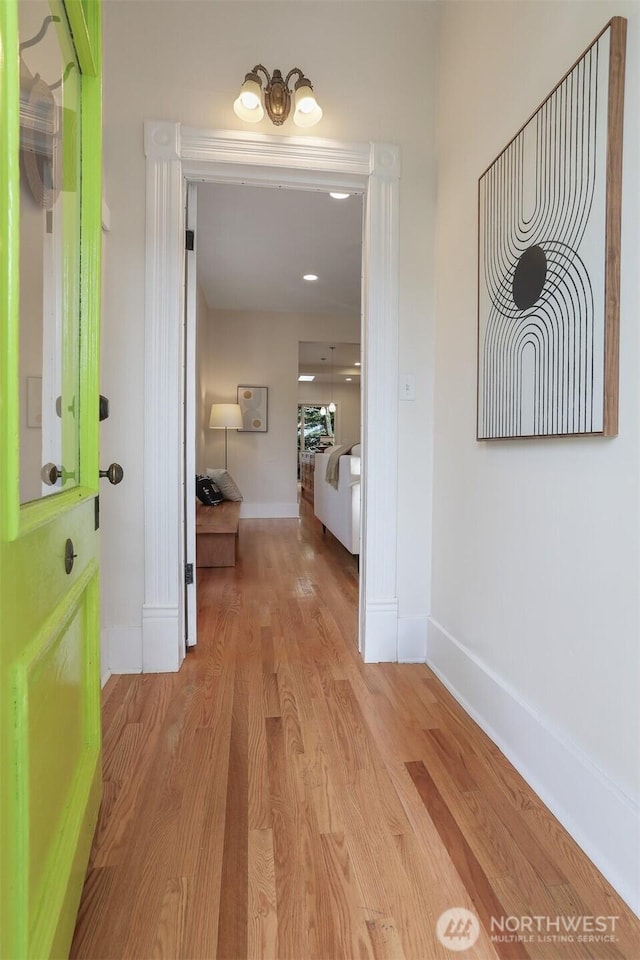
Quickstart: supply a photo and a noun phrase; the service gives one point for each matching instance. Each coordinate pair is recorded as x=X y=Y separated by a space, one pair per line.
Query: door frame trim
x=176 y=154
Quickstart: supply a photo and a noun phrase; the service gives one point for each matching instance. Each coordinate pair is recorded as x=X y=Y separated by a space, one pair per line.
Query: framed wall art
x=253 y=402
x=549 y=259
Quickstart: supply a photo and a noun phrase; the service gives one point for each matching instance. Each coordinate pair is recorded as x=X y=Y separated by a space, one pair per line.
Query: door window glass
x=49 y=252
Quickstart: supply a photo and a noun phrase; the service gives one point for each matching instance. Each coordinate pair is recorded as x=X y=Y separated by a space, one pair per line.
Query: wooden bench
x=216 y=534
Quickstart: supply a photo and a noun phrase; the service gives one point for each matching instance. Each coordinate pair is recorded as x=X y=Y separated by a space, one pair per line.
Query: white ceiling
x=255 y=243
x=345 y=357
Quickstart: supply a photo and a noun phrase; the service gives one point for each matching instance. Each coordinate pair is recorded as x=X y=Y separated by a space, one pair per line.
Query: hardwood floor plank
x=270 y=695
x=341 y=927
x=512 y=819
x=170 y=932
x=318 y=782
x=232 y=925
x=289 y=711
x=292 y=937
x=262 y=933
x=475 y=880
x=203 y=904
x=92 y=935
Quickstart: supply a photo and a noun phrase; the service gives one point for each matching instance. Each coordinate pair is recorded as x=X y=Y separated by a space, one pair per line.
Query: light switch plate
x=407 y=386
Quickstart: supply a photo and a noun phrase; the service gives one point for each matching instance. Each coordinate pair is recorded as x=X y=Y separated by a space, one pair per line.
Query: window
x=314 y=428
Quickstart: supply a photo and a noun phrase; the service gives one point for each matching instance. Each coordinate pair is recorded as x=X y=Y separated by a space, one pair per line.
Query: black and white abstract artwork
x=545 y=301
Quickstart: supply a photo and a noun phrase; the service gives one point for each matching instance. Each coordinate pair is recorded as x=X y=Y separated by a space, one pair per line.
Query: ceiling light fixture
x=276 y=98
x=348 y=379
x=305 y=378
x=340 y=196
x=332 y=406
x=357 y=363
x=310 y=277
x=323 y=409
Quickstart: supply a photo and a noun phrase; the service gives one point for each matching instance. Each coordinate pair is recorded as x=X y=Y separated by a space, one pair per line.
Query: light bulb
x=323 y=411
x=249 y=99
x=332 y=407
x=306 y=104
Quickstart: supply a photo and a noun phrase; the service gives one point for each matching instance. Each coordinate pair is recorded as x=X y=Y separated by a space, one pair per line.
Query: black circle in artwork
x=529 y=277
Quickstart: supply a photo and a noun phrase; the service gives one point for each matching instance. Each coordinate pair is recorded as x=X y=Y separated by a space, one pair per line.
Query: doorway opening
x=260 y=319
x=179 y=155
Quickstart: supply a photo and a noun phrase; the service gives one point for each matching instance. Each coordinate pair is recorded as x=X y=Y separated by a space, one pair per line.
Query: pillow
x=225 y=483
x=207 y=492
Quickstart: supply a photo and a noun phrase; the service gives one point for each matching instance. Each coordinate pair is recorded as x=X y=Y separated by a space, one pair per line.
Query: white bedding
x=339 y=509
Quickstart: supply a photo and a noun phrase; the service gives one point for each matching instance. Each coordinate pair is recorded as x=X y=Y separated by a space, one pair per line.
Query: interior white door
x=189 y=420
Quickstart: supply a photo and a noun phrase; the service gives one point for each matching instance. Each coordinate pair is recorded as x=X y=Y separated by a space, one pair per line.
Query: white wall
x=535 y=572
x=260 y=349
x=184 y=61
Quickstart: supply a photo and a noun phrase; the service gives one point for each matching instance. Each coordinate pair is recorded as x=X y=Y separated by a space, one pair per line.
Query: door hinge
x=96 y=513
x=190 y=240
x=188 y=573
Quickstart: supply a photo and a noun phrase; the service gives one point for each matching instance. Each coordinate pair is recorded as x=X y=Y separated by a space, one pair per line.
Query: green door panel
x=50 y=784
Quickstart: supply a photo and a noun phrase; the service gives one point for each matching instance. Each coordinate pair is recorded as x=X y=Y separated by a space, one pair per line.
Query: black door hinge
x=190 y=240
x=188 y=573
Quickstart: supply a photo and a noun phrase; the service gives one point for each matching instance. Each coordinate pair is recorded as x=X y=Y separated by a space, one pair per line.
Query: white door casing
x=175 y=154
x=189 y=420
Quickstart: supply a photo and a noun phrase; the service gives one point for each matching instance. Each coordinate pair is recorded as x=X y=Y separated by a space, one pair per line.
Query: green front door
x=50 y=230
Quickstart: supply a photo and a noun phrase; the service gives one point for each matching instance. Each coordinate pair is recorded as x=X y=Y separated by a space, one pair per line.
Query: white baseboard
x=412 y=639
x=268 y=511
x=600 y=817
x=123 y=650
x=162 y=644
x=379 y=627
x=103 y=679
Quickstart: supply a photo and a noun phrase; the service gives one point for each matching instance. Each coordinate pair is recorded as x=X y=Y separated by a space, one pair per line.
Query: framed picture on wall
x=549 y=210
x=253 y=402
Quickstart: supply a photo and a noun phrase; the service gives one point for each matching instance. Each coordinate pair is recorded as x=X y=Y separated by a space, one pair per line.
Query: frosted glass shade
x=225 y=415
x=248 y=106
x=307 y=111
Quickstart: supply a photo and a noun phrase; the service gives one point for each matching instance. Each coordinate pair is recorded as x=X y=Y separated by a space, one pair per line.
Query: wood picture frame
x=254 y=404
x=549 y=213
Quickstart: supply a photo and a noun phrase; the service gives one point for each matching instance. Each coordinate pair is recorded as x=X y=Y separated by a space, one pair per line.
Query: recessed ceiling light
x=310 y=277
x=305 y=377
x=357 y=363
x=348 y=379
x=340 y=196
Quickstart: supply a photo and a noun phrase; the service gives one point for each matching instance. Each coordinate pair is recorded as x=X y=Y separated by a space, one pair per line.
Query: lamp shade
x=225 y=415
x=307 y=110
x=248 y=106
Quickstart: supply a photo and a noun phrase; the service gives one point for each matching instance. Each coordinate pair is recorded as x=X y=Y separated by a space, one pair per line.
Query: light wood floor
x=279 y=798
